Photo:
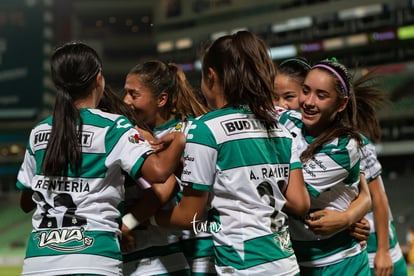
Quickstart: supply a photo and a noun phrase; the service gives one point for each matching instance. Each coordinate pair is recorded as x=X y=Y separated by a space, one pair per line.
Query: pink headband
x=330 y=69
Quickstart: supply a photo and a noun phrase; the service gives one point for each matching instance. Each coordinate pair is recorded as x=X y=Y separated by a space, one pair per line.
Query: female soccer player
x=241 y=163
x=73 y=170
x=161 y=96
x=290 y=75
x=329 y=142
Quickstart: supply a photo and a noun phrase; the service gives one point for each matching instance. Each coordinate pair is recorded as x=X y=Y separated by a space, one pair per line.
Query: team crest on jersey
x=136 y=139
x=64 y=240
x=178 y=127
x=283 y=239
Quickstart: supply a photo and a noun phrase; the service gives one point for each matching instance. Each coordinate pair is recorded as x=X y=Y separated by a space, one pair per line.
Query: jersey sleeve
x=295 y=162
x=26 y=172
x=126 y=147
x=200 y=156
x=292 y=120
x=27 y=169
x=370 y=165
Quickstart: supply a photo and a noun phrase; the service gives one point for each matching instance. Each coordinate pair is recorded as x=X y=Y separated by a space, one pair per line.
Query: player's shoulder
x=291 y=115
x=103 y=114
x=47 y=121
x=292 y=120
x=99 y=118
x=211 y=115
x=42 y=128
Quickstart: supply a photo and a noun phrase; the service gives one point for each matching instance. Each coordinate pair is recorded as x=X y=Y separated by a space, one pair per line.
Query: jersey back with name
x=78 y=216
x=246 y=167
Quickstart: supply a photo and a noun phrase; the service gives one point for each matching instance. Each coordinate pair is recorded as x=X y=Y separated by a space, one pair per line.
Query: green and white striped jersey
x=157 y=250
x=76 y=222
x=246 y=167
x=372 y=169
x=332 y=179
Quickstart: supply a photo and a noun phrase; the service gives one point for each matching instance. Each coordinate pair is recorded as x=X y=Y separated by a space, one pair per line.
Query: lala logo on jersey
x=65 y=240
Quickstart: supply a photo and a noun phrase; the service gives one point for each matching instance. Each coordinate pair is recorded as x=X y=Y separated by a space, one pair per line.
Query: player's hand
x=147 y=135
x=360 y=230
x=383 y=265
x=127 y=240
x=327 y=222
x=165 y=141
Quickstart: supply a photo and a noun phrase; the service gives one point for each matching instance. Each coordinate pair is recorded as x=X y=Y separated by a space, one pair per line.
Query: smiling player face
x=141 y=99
x=286 y=92
x=319 y=102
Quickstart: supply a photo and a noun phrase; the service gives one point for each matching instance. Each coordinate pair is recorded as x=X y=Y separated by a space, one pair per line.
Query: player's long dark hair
x=360 y=114
x=296 y=68
x=74 y=68
x=111 y=102
x=370 y=99
x=245 y=70
x=168 y=78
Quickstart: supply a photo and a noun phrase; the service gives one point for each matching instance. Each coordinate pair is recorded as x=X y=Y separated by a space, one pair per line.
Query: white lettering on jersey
x=205 y=226
x=120 y=125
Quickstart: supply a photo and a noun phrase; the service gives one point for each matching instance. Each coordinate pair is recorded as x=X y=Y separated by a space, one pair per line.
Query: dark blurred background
x=362 y=34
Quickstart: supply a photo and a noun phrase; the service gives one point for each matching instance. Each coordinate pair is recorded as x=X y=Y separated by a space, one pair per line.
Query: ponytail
x=74 y=67
x=63 y=145
x=246 y=72
x=184 y=100
x=369 y=99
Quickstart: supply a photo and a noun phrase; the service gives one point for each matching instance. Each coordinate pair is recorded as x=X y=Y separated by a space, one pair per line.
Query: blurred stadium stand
x=15 y=228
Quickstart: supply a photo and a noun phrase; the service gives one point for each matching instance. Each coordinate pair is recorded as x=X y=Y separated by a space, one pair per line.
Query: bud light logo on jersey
x=236 y=126
x=42 y=137
x=65 y=240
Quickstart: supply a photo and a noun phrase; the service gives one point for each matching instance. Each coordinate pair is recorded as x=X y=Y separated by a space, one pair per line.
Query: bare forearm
x=146 y=206
x=361 y=205
x=381 y=214
x=190 y=209
x=162 y=164
x=297 y=196
x=177 y=217
x=155 y=197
